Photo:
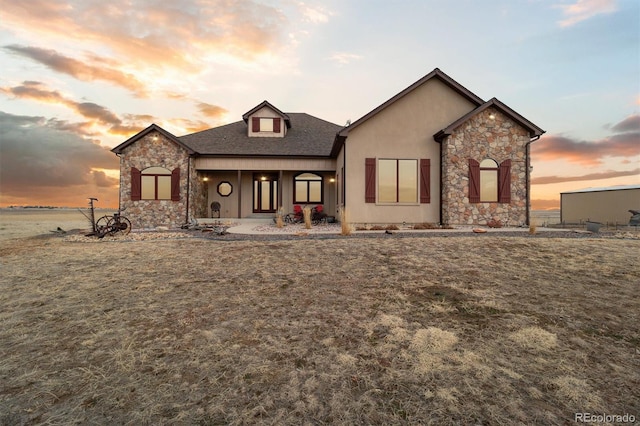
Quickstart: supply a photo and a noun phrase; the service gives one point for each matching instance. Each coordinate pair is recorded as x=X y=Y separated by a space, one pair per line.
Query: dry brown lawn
x=460 y=330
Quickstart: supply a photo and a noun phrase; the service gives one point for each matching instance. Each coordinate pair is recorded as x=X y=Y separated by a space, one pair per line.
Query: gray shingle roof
x=308 y=137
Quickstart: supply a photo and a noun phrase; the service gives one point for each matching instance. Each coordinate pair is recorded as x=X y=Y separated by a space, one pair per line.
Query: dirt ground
x=496 y=330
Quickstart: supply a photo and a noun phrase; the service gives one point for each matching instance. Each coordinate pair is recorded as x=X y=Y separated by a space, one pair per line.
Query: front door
x=265 y=193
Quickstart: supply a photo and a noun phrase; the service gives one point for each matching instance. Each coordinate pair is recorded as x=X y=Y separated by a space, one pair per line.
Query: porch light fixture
x=492 y=116
x=263 y=178
x=155 y=138
x=205 y=179
x=332 y=180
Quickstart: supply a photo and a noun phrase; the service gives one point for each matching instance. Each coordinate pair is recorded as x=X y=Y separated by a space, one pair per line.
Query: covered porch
x=256 y=188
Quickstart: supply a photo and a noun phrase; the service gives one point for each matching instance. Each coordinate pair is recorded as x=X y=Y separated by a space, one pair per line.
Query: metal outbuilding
x=604 y=205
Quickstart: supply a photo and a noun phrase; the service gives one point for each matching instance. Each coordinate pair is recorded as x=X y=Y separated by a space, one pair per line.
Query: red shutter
x=175 y=184
x=425 y=180
x=370 y=180
x=276 y=125
x=255 y=124
x=504 y=182
x=136 y=184
x=474 y=181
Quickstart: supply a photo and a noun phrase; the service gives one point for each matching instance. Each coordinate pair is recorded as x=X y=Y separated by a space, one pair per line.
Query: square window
x=266 y=124
x=397 y=181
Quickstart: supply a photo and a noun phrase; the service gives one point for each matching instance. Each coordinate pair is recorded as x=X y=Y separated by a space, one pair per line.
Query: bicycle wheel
x=122 y=227
x=102 y=224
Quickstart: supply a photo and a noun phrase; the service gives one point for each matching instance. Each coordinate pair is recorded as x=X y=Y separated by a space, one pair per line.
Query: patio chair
x=318 y=215
x=215 y=209
x=297 y=216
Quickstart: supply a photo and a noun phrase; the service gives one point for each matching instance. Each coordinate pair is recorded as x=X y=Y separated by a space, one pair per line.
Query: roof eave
x=534 y=131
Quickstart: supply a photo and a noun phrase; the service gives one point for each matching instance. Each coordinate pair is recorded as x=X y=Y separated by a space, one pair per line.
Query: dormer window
x=265 y=125
x=266 y=121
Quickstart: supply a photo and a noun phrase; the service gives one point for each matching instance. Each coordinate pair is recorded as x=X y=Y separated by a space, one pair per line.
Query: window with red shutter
x=175 y=184
x=276 y=125
x=504 y=182
x=425 y=180
x=474 y=181
x=136 y=184
x=370 y=180
x=255 y=124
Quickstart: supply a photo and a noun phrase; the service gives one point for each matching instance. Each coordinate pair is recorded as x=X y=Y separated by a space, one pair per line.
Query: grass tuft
x=345 y=226
x=306 y=213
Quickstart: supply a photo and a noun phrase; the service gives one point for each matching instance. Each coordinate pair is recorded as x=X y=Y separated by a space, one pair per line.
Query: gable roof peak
x=534 y=131
x=436 y=73
x=267 y=104
x=152 y=128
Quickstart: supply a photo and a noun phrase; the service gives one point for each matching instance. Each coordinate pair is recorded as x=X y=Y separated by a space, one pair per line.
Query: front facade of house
x=433 y=153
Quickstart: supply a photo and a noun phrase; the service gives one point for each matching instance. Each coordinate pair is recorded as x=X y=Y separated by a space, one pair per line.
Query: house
x=604 y=205
x=434 y=152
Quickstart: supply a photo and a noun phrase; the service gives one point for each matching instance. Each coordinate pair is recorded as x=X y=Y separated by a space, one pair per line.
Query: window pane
x=315 y=192
x=274 y=205
x=164 y=187
x=256 y=204
x=308 y=176
x=408 y=181
x=488 y=185
x=266 y=124
x=387 y=175
x=225 y=189
x=301 y=192
x=488 y=163
x=265 y=186
x=148 y=187
x=156 y=171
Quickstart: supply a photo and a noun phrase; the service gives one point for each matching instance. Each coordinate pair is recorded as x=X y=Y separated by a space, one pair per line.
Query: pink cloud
x=96 y=69
x=624 y=143
x=154 y=34
x=582 y=10
x=543 y=180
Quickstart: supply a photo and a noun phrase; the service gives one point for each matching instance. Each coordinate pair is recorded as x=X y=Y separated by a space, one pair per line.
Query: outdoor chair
x=318 y=215
x=215 y=209
x=297 y=216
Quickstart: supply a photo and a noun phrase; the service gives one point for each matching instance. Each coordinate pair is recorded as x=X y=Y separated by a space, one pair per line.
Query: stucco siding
x=403 y=130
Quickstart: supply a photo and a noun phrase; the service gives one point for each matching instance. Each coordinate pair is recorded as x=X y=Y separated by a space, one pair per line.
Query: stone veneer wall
x=479 y=138
x=161 y=152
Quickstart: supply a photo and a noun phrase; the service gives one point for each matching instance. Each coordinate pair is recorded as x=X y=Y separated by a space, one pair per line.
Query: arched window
x=308 y=188
x=488 y=181
x=156 y=183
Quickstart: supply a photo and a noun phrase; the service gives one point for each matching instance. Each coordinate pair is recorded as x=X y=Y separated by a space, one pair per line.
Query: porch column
x=279 y=190
x=239 y=186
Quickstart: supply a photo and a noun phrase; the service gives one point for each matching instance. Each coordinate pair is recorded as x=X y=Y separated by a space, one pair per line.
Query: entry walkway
x=255 y=226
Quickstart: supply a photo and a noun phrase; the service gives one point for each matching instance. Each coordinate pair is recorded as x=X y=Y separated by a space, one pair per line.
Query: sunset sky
x=79 y=77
